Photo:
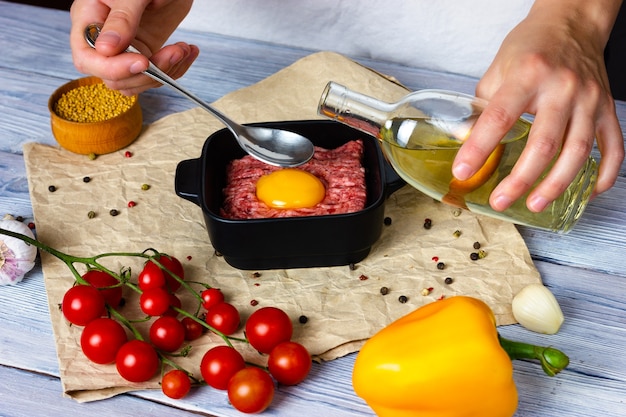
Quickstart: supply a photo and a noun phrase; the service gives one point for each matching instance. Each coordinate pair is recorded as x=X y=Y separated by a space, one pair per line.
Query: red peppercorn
x=254 y=303
x=131 y=204
x=128 y=154
x=31 y=225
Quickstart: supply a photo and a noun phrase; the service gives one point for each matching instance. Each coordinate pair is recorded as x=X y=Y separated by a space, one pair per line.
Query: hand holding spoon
x=272 y=146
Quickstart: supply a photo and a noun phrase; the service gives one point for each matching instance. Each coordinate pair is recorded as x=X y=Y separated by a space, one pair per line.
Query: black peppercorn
x=441 y=265
x=352 y=267
x=428 y=223
x=387 y=221
x=303 y=319
x=86 y=179
x=114 y=212
x=384 y=290
x=448 y=280
x=474 y=256
x=476 y=245
x=403 y=299
x=52 y=188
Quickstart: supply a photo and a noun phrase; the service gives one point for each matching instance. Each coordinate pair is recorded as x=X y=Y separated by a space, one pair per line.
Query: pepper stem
x=552 y=360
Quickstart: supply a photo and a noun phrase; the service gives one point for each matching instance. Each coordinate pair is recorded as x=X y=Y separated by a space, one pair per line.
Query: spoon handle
x=157 y=74
x=91 y=34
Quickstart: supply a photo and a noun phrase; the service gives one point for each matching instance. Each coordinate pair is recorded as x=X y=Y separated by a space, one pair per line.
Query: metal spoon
x=272 y=146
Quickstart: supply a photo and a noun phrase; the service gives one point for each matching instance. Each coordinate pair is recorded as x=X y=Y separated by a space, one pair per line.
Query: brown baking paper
x=344 y=306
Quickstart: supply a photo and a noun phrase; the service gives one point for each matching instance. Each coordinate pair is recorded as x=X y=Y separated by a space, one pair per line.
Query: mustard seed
x=92 y=103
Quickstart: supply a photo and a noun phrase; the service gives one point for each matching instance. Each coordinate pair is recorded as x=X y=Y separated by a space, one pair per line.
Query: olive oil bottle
x=421 y=135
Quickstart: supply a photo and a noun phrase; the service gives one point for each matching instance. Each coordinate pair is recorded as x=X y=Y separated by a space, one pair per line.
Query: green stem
x=552 y=360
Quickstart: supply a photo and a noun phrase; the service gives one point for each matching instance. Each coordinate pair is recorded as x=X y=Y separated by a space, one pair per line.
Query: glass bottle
x=422 y=133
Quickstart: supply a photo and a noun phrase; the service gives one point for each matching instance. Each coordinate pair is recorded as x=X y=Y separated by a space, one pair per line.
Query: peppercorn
x=352 y=267
x=19 y=218
x=131 y=204
x=114 y=212
x=254 y=303
x=92 y=103
x=387 y=221
x=476 y=245
x=384 y=290
x=128 y=154
x=474 y=256
x=448 y=280
x=52 y=188
x=91 y=214
x=303 y=319
x=403 y=299
x=256 y=274
x=428 y=223
x=441 y=265
x=86 y=179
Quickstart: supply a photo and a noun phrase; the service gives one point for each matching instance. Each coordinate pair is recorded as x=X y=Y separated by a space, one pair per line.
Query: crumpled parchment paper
x=344 y=306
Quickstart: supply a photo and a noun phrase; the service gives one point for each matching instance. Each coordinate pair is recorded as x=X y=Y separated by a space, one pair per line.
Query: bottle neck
x=357 y=110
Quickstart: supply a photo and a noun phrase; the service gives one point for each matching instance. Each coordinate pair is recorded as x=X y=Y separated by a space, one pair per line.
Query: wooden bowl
x=99 y=137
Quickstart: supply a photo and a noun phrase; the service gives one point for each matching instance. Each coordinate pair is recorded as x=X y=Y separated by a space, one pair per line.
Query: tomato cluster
x=251 y=389
x=108 y=337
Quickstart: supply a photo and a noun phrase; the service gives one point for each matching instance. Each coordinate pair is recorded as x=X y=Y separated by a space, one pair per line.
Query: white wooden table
x=586 y=269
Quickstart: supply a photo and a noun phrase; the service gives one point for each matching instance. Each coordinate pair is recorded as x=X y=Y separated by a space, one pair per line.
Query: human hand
x=147 y=24
x=551 y=65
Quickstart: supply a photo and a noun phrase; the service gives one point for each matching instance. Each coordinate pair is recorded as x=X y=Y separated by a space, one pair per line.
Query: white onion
x=536 y=308
x=16 y=256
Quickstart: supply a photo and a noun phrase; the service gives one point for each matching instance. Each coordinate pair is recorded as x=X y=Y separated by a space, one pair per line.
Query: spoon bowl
x=272 y=146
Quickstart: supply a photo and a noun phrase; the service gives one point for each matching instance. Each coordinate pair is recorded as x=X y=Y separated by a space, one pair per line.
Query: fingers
x=610 y=142
x=175 y=60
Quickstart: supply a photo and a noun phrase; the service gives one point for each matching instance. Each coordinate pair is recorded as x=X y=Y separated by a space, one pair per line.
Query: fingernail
x=501 y=202
x=462 y=171
x=137 y=67
x=109 y=37
x=177 y=57
x=537 y=203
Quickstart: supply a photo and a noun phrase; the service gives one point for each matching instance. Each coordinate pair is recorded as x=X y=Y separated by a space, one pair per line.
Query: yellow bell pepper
x=444 y=359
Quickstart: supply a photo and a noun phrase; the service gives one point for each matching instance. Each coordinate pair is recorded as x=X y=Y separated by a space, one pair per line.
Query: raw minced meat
x=340 y=170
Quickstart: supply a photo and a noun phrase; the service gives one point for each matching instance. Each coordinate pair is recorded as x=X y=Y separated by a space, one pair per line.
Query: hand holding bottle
x=550 y=65
x=147 y=24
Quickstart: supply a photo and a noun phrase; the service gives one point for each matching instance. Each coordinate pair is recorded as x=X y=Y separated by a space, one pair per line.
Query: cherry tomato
x=174 y=302
x=267 y=327
x=289 y=363
x=82 y=304
x=175 y=384
x=223 y=317
x=167 y=333
x=193 y=329
x=151 y=276
x=211 y=297
x=101 y=339
x=155 y=301
x=106 y=284
x=251 y=390
x=174 y=266
x=219 y=364
x=137 y=361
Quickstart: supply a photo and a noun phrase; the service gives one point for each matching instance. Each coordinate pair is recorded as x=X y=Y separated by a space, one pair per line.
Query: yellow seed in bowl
x=92 y=103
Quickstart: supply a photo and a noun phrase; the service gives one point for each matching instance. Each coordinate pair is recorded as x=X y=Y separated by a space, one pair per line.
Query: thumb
x=120 y=27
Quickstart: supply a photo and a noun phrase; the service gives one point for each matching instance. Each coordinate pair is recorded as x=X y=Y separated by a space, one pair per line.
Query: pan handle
x=393 y=182
x=187 y=181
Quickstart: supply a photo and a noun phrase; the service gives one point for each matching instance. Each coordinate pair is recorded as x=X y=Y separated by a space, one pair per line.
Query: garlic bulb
x=16 y=256
x=536 y=308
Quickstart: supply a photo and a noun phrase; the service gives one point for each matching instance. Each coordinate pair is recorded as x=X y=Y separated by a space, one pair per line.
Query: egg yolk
x=290 y=188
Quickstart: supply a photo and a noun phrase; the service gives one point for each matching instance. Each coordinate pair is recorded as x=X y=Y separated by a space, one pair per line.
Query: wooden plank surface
x=585 y=268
